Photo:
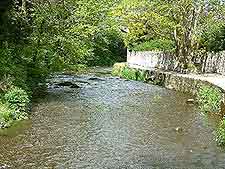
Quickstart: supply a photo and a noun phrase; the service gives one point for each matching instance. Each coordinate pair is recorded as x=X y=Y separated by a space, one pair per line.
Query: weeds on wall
x=220 y=134
x=209 y=99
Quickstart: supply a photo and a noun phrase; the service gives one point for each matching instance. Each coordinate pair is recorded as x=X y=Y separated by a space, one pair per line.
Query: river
x=111 y=123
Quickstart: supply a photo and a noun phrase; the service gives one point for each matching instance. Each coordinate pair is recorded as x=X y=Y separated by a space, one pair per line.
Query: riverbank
x=187 y=83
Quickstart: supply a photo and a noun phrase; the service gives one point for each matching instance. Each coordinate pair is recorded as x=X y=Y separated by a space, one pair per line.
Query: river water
x=111 y=123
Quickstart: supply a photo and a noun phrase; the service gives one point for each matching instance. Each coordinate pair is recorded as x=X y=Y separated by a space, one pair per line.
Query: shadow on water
x=110 y=123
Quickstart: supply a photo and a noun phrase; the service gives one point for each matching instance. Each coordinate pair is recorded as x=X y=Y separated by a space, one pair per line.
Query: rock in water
x=179 y=129
x=74 y=86
x=68 y=84
x=190 y=101
x=65 y=84
x=170 y=87
x=95 y=78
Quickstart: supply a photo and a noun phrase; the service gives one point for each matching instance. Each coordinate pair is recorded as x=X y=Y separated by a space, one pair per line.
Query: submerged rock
x=68 y=84
x=65 y=84
x=95 y=78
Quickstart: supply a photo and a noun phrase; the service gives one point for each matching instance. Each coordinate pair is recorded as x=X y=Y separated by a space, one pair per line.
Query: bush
x=122 y=70
x=6 y=115
x=118 y=68
x=209 y=99
x=17 y=98
x=154 y=45
x=129 y=73
x=140 y=75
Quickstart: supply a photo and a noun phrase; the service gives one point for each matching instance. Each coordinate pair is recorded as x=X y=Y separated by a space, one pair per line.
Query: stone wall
x=211 y=63
x=215 y=63
x=145 y=59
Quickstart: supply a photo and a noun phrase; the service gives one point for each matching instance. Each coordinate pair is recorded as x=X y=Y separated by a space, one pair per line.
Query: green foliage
x=140 y=75
x=129 y=73
x=17 y=98
x=213 y=38
x=78 y=32
x=6 y=115
x=44 y=37
x=220 y=134
x=108 y=48
x=122 y=70
x=118 y=68
x=75 y=68
x=179 y=22
x=155 y=45
x=209 y=99
x=14 y=106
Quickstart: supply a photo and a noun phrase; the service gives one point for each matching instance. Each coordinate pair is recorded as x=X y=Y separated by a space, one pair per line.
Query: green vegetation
x=17 y=99
x=220 y=134
x=213 y=39
x=140 y=75
x=122 y=70
x=14 y=106
x=118 y=69
x=129 y=73
x=209 y=99
x=154 y=45
x=6 y=115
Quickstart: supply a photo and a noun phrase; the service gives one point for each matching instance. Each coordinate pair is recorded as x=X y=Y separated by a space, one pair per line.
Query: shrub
x=118 y=68
x=140 y=75
x=209 y=99
x=122 y=70
x=6 y=115
x=17 y=98
x=129 y=73
x=155 y=45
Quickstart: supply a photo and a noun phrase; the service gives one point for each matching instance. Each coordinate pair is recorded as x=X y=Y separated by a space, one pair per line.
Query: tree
x=80 y=30
x=181 y=21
